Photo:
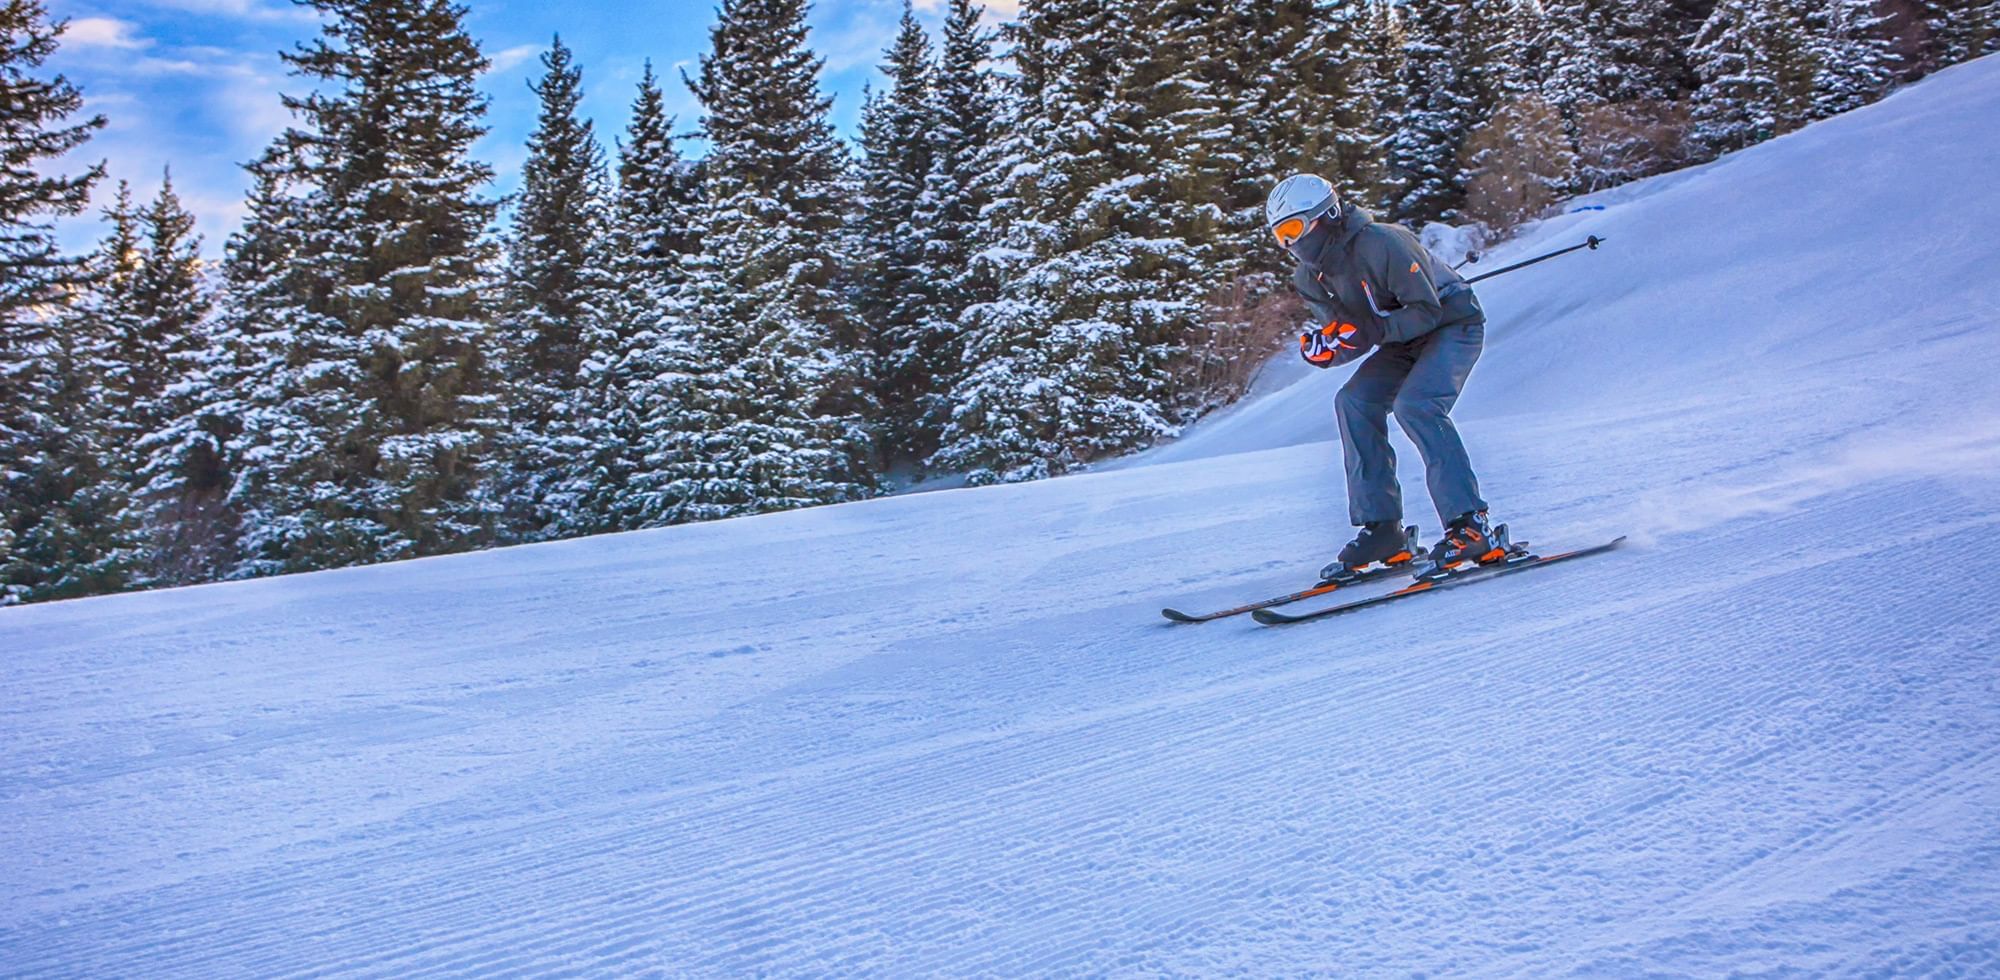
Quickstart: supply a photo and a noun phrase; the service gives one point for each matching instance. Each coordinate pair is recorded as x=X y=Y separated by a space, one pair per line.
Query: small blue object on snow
x=1586 y=207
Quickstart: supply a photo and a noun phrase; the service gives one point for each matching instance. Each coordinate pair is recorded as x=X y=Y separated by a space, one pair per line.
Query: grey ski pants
x=1420 y=382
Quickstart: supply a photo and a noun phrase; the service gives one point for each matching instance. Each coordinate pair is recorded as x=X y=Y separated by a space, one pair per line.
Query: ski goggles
x=1289 y=230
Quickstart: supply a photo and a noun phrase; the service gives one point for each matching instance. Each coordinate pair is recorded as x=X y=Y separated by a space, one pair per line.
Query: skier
x=1374 y=286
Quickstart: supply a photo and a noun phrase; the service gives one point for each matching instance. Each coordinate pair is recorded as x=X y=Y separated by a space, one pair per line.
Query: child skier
x=1374 y=285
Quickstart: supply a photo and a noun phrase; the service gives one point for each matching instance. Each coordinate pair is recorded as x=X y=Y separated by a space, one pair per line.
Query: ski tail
x=1323 y=588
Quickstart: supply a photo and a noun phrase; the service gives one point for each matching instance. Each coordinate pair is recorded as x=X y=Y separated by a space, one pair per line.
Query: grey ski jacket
x=1381 y=279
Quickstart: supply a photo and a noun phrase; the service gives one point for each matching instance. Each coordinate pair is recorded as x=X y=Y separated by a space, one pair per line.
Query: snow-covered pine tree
x=237 y=413
x=951 y=214
x=69 y=468
x=1518 y=160
x=1854 y=57
x=1574 y=73
x=1756 y=72
x=557 y=289
x=641 y=368
x=1215 y=104
x=131 y=370
x=1954 y=30
x=785 y=404
x=181 y=478
x=378 y=443
x=1325 y=97
x=1504 y=42
x=1383 y=39
x=1732 y=108
x=1646 y=48
x=166 y=298
x=1424 y=149
x=896 y=286
x=37 y=126
x=1620 y=129
x=1082 y=354
x=1270 y=49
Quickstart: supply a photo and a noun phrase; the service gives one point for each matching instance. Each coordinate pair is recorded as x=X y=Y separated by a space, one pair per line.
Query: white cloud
x=995 y=9
x=243 y=9
x=514 y=57
x=855 y=40
x=103 y=32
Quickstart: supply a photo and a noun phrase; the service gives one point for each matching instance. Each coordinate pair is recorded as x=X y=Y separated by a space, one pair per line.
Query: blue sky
x=195 y=83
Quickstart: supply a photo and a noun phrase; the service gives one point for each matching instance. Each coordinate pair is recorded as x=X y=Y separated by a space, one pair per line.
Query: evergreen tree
x=1080 y=355
x=951 y=216
x=784 y=414
x=1383 y=40
x=378 y=443
x=1756 y=72
x=1955 y=30
x=1853 y=56
x=1504 y=42
x=208 y=457
x=557 y=290
x=1574 y=71
x=1646 y=48
x=180 y=477
x=68 y=468
x=1424 y=150
x=66 y=499
x=641 y=367
x=897 y=287
x=35 y=277
x=150 y=304
x=132 y=370
x=1326 y=94
x=34 y=128
x=1197 y=92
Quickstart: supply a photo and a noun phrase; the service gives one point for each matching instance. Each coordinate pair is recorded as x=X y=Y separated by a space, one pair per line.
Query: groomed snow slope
x=949 y=732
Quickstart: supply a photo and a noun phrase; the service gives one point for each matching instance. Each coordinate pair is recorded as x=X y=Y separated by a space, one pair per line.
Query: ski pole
x=1590 y=243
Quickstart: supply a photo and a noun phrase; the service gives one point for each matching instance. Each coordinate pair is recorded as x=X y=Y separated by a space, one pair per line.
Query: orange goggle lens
x=1289 y=230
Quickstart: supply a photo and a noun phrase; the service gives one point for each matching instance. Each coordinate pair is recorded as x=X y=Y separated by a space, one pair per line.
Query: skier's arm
x=1399 y=289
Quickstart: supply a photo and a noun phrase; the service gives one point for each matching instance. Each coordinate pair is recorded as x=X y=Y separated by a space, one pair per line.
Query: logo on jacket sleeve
x=1414 y=267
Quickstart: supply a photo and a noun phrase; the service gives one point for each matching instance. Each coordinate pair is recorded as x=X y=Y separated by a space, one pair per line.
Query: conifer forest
x=1043 y=247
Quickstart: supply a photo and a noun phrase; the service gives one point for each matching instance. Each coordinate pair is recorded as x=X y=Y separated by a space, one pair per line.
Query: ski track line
x=613 y=851
x=1949 y=781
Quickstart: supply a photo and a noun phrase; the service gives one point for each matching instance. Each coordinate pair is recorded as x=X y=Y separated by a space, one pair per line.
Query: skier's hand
x=1332 y=345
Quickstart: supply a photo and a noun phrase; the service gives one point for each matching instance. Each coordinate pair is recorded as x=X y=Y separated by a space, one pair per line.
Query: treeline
x=1021 y=270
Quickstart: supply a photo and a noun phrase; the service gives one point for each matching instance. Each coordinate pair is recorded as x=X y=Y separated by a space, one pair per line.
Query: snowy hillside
x=949 y=733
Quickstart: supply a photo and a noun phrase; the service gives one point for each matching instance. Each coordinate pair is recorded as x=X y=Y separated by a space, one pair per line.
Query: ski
x=1477 y=573
x=1321 y=589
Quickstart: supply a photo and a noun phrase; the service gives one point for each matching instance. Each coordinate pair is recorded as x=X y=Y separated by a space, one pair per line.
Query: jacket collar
x=1352 y=220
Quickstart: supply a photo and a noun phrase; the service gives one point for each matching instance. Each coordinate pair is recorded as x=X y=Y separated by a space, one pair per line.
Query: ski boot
x=1382 y=542
x=1470 y=539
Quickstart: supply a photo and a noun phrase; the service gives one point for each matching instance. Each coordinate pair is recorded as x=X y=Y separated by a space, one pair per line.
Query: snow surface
x=949 y=733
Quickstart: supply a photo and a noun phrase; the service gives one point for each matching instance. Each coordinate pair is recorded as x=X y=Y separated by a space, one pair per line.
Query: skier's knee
x=1353 y=402
x=1415 y=410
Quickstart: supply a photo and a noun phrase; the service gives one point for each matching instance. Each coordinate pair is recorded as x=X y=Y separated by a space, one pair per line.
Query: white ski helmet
x=1303 y=197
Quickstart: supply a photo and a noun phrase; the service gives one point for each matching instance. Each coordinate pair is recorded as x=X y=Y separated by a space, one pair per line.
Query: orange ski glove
x=1332 y=345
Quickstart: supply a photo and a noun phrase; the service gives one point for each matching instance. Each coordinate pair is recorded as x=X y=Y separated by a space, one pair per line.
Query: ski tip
x=1270 y=618
x=1178 y=616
